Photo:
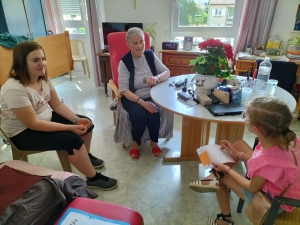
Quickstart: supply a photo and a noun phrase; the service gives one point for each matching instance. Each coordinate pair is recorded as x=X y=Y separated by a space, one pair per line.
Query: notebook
x=225 y=109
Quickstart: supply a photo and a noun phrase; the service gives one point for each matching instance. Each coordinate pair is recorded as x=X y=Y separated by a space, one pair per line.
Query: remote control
x=179 y=83
x=184 y=96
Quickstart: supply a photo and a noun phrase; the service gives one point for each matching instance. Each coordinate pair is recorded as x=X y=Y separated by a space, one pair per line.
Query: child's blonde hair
x=273 y=117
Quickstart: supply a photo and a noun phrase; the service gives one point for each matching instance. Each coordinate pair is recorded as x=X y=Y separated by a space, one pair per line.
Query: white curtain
x=53 y=16
x=93 y=13
x=257 y=17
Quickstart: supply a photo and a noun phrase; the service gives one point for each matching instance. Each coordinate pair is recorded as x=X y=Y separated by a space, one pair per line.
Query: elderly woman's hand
x=152 y=81
x=149 y=106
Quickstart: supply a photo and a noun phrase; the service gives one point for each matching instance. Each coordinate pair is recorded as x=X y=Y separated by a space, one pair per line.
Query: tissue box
x=274 y=44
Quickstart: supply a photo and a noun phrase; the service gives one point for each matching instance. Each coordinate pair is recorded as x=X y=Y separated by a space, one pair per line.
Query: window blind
x=70 y=7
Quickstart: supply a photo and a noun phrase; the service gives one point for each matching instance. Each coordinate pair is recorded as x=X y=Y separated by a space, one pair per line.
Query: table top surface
x=166 y=97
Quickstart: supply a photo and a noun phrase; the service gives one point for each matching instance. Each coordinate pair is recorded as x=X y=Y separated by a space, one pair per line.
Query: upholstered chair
x=117 y=49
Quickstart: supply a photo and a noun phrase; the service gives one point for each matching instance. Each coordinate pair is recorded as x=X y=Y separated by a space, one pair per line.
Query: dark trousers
x=140 y=118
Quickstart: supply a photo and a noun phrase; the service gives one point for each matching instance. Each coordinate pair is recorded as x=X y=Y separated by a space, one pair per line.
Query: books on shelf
x=245 y=55
x=213 y=153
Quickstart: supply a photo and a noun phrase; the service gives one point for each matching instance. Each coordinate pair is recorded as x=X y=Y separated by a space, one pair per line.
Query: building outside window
x=204 y=19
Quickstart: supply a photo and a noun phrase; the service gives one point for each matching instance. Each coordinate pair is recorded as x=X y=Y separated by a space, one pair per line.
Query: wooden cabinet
x=105 y=69
x=178 y=61
x=23 y=17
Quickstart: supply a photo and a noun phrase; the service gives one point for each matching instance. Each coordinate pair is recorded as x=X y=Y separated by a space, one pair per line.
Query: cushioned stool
x=104 y=209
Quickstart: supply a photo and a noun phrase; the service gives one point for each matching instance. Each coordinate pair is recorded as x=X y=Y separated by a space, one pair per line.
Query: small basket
x=257 y=52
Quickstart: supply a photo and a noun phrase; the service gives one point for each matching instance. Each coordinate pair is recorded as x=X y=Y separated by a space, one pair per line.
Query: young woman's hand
x=226 y=145
x=84 y=122
x=78 y=129
x=149 y=106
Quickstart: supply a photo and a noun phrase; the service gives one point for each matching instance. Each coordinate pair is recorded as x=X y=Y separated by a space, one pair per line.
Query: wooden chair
x=22 y=155
x=76 y=45
x=284 y=218
x=117 y=49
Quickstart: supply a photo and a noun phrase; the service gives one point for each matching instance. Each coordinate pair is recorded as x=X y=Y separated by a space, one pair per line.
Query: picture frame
x=297 y=22
x=188 y=43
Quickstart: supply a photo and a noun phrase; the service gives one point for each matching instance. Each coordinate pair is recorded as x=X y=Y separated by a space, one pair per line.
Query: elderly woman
x=139 y=70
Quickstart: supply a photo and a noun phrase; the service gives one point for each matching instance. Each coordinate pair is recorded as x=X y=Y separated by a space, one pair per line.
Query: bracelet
x=76 y=120
x=137 y=99
x=241 y=155
x=228 y=170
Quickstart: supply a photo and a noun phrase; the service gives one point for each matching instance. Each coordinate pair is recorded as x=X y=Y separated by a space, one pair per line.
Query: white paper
x=215 y=154
x=80 y=219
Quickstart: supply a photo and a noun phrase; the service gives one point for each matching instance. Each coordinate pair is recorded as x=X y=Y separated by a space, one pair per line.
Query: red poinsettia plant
x=215 y=60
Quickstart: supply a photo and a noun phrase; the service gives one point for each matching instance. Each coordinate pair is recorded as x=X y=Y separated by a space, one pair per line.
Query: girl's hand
x=226 y=145
x=152 y=81
x=220 y=167
x=149 y=106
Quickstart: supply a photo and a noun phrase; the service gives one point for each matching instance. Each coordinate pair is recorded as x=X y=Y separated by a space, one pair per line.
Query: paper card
x=213 y=153
x=75 y=216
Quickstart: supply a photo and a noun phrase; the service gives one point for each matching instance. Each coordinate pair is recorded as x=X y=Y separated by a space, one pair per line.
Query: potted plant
x=212 y=65
x=152 y=33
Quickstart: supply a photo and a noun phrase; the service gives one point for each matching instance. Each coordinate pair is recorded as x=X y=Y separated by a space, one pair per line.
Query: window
x=74 y=14
x=206 y=19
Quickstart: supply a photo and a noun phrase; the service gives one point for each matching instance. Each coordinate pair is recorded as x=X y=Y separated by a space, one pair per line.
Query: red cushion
x=105 y=209
x=118 y=48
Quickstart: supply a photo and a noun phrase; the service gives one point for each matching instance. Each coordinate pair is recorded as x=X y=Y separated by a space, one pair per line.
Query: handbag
x=260 y=205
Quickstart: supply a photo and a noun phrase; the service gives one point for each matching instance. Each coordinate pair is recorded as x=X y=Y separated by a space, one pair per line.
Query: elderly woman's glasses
x=243 y=115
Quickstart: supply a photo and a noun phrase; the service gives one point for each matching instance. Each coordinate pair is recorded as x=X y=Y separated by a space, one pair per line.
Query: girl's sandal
x=213 y=185
x=212 y=221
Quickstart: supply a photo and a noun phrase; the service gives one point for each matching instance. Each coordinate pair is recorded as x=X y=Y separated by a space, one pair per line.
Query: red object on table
x=254 y=74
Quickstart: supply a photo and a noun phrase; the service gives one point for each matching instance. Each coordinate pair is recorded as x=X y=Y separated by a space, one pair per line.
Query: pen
x=248 y=75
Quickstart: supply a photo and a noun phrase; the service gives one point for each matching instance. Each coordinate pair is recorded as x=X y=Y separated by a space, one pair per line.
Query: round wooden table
x=196 y=121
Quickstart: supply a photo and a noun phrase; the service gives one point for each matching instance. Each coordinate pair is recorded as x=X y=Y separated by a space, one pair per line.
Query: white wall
x=147 y=12
x=284 y=20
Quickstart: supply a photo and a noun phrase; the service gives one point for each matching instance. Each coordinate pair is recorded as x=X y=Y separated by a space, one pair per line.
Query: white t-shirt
x=16 y=95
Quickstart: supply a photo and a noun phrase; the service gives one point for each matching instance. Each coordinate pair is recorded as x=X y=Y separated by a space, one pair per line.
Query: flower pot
x=205 y=83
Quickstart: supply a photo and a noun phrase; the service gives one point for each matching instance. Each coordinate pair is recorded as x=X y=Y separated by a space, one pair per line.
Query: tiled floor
x=159 y=191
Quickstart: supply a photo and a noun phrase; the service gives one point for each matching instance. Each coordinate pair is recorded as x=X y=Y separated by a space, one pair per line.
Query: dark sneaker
x=97 y=163
x=102 y=182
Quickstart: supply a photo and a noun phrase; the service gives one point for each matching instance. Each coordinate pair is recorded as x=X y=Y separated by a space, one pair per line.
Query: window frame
x=83 y=23
x=206 y=32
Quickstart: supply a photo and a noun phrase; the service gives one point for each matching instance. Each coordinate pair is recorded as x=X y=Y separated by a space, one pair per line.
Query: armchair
x=117 y=49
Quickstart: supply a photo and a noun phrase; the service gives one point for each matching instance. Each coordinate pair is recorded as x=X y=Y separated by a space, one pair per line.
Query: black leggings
x=30 y=140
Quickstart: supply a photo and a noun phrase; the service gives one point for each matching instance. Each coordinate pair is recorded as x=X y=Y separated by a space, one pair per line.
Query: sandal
x=212 y=221
x=156 y=152
x=134 y=154
x=213 y=185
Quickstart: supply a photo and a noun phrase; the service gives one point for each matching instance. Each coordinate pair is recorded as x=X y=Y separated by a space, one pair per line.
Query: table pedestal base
x=195 y=133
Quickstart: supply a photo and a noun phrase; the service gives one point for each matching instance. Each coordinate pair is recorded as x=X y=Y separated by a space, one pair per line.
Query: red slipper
x=134 y=154
x=156 y=152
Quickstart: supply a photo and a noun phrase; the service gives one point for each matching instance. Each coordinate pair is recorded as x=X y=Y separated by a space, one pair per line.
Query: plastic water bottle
x=264 y=72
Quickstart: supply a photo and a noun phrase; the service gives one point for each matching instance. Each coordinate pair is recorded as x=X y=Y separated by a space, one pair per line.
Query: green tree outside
x=192 y=15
